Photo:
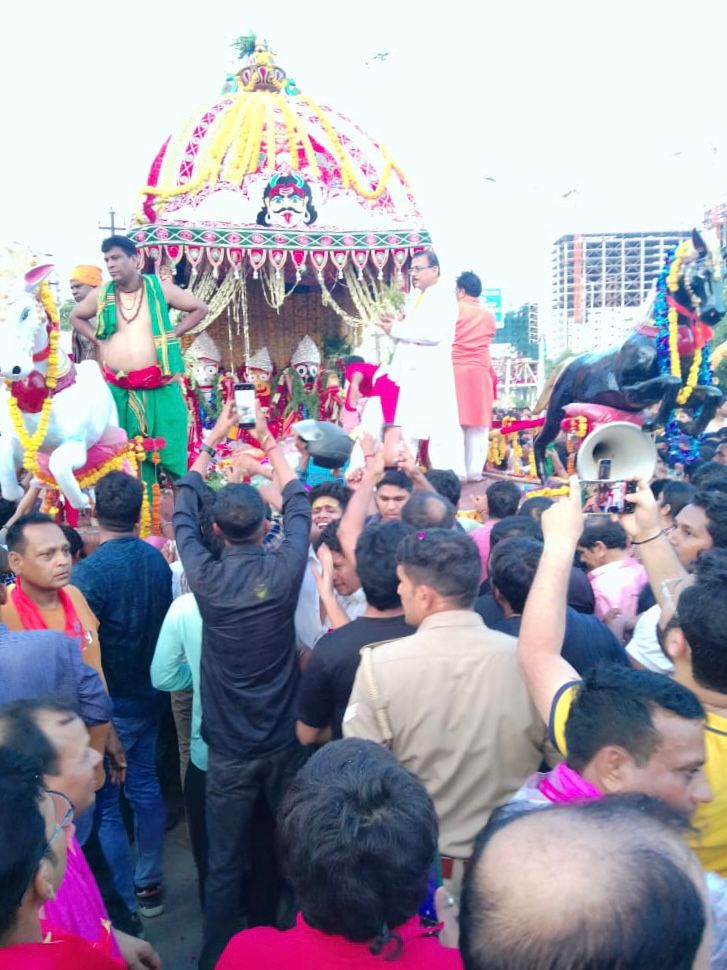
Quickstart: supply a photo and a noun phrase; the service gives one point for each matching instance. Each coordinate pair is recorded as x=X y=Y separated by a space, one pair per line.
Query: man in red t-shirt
x=358 y=835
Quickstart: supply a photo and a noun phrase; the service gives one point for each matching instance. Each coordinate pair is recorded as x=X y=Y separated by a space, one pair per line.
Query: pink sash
x=562 y=784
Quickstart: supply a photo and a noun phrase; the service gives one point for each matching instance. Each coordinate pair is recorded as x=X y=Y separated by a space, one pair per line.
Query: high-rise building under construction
x=599 y=283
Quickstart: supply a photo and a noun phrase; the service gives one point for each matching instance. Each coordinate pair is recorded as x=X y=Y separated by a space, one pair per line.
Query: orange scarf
x=31 y=617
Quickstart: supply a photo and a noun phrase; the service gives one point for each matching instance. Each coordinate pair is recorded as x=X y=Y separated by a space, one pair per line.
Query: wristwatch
x=210 y=451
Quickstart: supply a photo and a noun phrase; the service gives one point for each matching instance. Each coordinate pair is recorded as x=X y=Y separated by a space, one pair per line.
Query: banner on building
x=493 y=301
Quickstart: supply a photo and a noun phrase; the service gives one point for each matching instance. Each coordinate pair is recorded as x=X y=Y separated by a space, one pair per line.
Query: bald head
x=429 y=510
x=603 y=884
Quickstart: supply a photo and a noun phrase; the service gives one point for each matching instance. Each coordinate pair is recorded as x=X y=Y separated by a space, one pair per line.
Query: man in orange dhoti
x=472 y=372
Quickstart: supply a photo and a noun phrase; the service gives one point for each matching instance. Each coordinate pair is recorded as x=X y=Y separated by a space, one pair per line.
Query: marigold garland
x=127 y=456
x=499 y=443
x=532 y=466
x=557 y=492
x=497 y=450
x=145 y=517
x=672 y=284
x=156 y=496
x=234 y=148
x=575 y=428
x=517 y=452
x=31 y=443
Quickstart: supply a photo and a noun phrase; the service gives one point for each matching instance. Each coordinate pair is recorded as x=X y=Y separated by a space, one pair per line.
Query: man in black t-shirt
x=330 y=674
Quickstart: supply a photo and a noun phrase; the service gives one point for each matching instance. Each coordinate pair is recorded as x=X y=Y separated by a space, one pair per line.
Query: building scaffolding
x=599 y=281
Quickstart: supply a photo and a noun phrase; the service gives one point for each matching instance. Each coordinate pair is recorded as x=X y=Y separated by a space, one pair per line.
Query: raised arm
x=354 y=518
x=224 y=424
x=543 y=623
x=655 y=551
x=180 y=299
x=407 y=463
x=323 y=576
x=83 y=312
x=282 y=472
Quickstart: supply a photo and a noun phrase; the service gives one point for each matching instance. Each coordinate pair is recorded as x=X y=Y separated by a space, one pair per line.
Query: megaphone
x=631 y=453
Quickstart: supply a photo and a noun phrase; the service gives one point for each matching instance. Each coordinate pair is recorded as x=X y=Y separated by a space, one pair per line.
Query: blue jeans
x=138 y=735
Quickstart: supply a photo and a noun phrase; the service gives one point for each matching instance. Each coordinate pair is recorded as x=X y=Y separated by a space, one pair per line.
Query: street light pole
x=112 y=228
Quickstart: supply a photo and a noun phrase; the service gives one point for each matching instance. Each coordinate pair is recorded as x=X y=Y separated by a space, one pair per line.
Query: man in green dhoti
x=139 y=350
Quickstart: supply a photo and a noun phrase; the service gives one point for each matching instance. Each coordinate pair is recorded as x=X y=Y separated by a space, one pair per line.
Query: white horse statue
x=47 y=403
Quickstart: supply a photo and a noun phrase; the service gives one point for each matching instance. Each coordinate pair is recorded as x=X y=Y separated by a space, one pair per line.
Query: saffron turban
x=90 y=275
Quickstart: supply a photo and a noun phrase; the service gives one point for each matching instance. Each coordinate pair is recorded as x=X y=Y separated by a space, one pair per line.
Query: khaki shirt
x=460 y=717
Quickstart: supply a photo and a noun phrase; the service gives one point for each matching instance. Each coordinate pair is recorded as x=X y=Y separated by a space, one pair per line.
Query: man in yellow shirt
x=554 y=687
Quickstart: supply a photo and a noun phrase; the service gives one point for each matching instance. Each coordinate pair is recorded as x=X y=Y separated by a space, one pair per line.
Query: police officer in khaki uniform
x=449 y=700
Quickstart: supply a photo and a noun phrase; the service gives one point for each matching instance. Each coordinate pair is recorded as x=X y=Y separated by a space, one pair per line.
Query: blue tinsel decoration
x=682 y=447
x=661 y=315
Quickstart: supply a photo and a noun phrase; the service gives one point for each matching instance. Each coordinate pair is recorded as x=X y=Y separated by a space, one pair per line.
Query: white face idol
x=307 y=371
x=205 y=373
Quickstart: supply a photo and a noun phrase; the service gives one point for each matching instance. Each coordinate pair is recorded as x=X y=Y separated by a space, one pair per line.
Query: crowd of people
x=409 y=732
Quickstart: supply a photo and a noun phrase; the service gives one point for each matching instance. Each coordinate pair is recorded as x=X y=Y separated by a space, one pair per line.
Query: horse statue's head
x=22 y=317
x=701 y=278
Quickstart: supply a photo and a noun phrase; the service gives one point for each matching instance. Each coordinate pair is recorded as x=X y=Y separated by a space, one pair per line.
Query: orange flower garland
x=578 y=428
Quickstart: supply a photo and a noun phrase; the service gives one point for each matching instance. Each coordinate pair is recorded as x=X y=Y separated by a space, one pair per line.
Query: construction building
x=599 y=284
x=520 y=330
x=716 y=218
x=514 y=355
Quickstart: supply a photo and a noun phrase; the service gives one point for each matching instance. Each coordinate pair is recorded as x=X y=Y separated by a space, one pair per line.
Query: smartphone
x=393 y=440
x=245 y=404
x=607 y=496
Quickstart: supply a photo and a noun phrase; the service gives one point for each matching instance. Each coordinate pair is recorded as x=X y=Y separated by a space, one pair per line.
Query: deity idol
x=303 y=390
x=259 y=372
x=203 y=387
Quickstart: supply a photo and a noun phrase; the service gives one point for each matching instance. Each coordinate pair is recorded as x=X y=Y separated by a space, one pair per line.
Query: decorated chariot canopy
x=265 y=184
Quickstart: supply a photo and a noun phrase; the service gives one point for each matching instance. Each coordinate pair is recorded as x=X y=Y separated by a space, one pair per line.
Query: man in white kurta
x=422 y=366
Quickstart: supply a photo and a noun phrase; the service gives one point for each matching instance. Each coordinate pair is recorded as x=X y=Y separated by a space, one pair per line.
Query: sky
x=516 y=122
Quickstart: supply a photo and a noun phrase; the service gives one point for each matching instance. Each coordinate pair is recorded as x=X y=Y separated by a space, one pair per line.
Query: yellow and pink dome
x=265 y=173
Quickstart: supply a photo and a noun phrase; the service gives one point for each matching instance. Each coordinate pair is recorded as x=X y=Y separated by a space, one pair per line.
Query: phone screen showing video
x=607 y=497
x=245 y=404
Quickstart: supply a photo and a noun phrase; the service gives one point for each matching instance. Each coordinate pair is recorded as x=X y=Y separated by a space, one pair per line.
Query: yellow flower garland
x=686 y=392
x=672 y=283
x=498 y=443
x=533 y=468
x=32 y=442
x=579 y=428
x=127 y=455
x=549 y=492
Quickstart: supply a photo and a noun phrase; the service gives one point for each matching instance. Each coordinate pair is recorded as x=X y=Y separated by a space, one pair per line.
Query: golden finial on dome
x=260 y=73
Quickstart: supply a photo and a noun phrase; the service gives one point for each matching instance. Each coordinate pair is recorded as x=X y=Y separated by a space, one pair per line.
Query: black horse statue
x=630 y=377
